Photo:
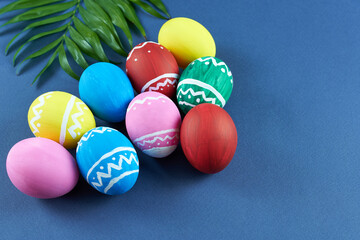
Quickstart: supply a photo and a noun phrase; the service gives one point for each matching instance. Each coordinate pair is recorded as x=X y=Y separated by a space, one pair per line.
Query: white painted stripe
x=186 y=103
x=199 y=93
x=216 y=64
x=160 y=152
x=166 y=75
x=64 y=122
x=119 y=149
x=163 y=84
x=157 y=138
x=203 y=85
x=142 y=101
x=156 y=133
x=138 y=47
x=37 y=114
x=115 y=180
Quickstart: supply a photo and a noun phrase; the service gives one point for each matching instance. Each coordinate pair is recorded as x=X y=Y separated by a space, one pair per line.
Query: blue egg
x=107 y=160
x=107 y=90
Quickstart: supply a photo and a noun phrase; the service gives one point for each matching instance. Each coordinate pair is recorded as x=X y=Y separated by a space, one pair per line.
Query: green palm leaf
x=99 y=24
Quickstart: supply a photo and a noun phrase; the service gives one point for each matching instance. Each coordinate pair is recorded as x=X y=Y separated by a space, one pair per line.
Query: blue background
x=296 y=106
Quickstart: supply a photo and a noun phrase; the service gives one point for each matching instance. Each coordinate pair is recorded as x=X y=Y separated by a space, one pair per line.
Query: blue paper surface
x=296 y=106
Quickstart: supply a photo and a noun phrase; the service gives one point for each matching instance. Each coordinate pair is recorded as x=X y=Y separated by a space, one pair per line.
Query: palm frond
x=82 y=26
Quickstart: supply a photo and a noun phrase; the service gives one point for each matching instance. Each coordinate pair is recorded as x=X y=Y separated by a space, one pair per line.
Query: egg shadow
x=167 y=172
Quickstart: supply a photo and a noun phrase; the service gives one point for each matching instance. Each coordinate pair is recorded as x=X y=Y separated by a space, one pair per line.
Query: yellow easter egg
x=61 y=117
x=187 y=40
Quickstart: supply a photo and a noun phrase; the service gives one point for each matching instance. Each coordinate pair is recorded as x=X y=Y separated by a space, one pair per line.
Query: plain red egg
x=208 y=138
x=151 y=67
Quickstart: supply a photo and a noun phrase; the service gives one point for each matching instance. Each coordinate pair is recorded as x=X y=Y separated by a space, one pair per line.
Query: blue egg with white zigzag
x=106 y=89
x=107 y=160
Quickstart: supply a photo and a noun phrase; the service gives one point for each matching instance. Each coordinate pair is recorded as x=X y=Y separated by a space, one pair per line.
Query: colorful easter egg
x=61 y=117
x=107 y=160
x=41 y=168
x=187 y=40
x=151 y=67
x=107 y=90
x=205 y=80
x=153 y=124
x=208 y=138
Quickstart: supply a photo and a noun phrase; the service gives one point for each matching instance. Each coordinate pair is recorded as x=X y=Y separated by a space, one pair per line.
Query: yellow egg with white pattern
x=61 y=117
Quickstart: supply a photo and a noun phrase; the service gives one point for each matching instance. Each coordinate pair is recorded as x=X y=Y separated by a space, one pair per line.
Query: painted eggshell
x=61 y=117
x=153 y=124
x=187 y=40
x=41 y=168
x=208 y=138
x=107 y=160
x=151 y=67
x=205 y=80
x=107 y=90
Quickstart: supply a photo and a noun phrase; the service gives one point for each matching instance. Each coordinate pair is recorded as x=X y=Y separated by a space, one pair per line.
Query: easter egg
x=208 y=138
x=61 y=117
x=187 y=40
x=107 y=160
x=41 y=168
x=151 y=67
x=153 y=124
x=205 y=80
x=107 y=90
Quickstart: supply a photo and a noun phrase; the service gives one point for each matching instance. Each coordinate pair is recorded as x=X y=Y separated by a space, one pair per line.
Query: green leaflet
x=159 y=4
x=51 y=60
x=146 y=7
x=38 y=24
x=22 y=4
x=88 y=41
x=43 y=50
x=102 y=16
x=117 y=18
x=64 y=63
x=76 y=53
x=41 y=12
x=101 y=29
x=40 y=35
x=130 y=14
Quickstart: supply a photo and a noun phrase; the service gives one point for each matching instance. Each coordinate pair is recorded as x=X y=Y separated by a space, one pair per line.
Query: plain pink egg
x=41 y=168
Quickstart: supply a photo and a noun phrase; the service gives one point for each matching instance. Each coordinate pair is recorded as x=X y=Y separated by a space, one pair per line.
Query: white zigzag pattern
x=85 y=138
x=110 y=166
x=162 y=84
x=186 y=103
x=142 y=101
x=38 y=114
x=216 y=64
x=76 y=122
x=138 y=47
x=157 y=138
x=199 y=93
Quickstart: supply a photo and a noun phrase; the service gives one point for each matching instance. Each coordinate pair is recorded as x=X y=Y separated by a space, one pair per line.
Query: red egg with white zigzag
x=152 y=68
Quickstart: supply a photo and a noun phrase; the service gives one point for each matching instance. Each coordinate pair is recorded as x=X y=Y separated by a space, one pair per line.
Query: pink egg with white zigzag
x=153 y=124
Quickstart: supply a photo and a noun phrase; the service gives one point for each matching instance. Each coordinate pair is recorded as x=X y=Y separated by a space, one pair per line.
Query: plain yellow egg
x=187 y=40
x=61 y=117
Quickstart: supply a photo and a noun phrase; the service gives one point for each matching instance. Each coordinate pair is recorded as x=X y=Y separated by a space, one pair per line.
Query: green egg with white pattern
x=205 y=80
